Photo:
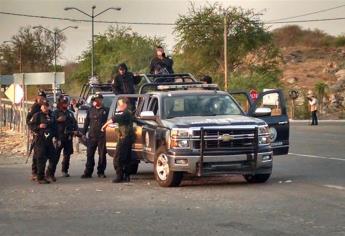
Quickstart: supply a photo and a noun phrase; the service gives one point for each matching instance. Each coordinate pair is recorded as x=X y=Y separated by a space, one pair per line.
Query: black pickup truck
x=189 y=127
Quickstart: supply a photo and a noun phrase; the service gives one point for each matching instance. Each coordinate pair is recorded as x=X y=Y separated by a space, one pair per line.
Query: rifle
x=32 y=145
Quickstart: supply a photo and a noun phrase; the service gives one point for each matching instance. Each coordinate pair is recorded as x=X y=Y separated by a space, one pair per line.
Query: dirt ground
x=12 y=146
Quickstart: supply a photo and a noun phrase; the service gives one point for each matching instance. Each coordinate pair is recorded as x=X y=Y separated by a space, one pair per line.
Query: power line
x=158 y=23
x=303 y=21
x=308 y=14
x=82 y=20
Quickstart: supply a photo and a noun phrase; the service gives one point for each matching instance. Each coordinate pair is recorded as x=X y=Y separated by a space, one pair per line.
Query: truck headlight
x=264 y=134
x=179 y=143
x=179 y=133
x=179 y=138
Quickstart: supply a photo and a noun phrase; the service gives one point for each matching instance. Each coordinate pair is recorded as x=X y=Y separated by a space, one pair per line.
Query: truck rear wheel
x=163 y=175
x=258 y=178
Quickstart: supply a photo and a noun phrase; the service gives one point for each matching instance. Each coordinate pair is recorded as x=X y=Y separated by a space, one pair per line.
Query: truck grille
x=234 y=139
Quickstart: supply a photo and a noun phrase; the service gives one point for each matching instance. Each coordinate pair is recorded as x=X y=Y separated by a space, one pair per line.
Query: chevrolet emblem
x=225 y=137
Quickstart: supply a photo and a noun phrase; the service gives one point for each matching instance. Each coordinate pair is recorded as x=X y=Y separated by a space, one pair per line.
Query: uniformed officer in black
x=124 y=81
x=96 y=117
x=42 y=125
x=161 y=64
x=123 y=116
x=66 y=128
x=36 y=107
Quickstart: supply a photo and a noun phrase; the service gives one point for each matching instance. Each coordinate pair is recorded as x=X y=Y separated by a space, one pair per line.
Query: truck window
x=271 y=101
x=136 y=104
x=153 y=106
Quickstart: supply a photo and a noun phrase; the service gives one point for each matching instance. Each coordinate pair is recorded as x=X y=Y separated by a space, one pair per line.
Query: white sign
x=15 y=93
x=271 y=99
x=39 y=78
x=33 y=78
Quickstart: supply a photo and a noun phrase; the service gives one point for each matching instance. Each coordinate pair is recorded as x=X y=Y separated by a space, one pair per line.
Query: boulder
x=338 y=87
x=340 y=74
x=292 y=80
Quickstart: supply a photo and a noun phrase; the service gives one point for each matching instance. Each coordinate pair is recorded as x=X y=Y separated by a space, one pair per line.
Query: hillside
x=310 y=58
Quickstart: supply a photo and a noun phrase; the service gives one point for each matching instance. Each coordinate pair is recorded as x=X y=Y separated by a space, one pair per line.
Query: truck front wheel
x=163 y=175
x=258 y=178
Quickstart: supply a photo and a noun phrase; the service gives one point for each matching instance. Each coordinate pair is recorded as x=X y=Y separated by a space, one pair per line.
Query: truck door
x=149 y=131
x=112 y=131
x=243 y=99
x=278 y=120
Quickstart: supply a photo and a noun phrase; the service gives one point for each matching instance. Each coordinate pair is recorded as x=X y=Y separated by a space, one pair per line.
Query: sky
x=166 y=11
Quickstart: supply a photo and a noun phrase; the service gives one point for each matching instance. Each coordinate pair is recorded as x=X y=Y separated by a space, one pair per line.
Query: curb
x=320 y=121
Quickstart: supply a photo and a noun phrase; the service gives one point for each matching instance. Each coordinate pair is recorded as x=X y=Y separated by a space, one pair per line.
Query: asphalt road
x=305 y=196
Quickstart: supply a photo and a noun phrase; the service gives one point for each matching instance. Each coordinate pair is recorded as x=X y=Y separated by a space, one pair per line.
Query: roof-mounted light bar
x=187 y=86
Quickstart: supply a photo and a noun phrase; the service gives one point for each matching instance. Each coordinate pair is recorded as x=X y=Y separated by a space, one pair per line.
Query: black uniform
x=94 y=121
x=124 y=84
x=124 y=146
x=66 y=124
x=35 y=108
x=161 y=64
x=43 y=144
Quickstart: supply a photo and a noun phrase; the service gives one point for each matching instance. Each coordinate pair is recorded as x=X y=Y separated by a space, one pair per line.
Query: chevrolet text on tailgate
x=195 y=128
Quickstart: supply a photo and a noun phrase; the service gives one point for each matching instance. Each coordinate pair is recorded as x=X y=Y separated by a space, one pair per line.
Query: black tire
x=258 y=178
x=163 y=175
x=133 y=169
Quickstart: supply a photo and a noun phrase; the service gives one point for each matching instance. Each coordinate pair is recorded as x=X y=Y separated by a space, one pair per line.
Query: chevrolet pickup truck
x=195 y=128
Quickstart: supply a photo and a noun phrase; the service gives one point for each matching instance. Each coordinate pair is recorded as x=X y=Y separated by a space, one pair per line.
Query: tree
x=34 y=48
x=321 y=90
x=116 y=45
x=200 y=41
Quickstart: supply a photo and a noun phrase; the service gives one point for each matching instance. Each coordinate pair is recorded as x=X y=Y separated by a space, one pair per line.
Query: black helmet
x=63 y=99
x=207 y=79
x=41 y=93
x=45 y=103
x=98 y=95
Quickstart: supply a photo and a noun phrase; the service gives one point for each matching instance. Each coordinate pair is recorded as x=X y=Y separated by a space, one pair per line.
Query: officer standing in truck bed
x=96 y=117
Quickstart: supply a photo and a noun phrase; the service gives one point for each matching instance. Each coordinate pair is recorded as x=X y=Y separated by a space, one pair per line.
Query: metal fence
x=13 y=116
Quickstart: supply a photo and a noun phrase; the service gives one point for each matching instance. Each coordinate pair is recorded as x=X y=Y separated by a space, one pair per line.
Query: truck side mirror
x=262 y=111
x=147 y=115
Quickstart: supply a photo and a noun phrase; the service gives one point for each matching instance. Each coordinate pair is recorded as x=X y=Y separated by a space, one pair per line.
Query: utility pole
x=93 y=16
x=93 y=42
x=225 y=52
x=55 y=33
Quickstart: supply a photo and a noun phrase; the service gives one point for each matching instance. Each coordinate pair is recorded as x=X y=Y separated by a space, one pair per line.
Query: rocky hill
x=307 y=63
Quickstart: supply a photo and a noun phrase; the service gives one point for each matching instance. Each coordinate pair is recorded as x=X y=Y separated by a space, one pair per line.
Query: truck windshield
x=199 y=105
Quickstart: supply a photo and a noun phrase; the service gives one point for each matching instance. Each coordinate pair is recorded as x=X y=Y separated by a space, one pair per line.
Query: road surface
x=305 y=196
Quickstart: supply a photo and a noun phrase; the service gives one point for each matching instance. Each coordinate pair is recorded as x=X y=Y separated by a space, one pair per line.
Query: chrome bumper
x=239 y=164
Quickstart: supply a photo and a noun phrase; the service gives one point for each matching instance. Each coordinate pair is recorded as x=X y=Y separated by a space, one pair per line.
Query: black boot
x=34 y=177
x=65 y=174
x=102 y=175
x=127 y=178
x=50 y=176
x=43 y=181
x=86 y=176
x=118 y=178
